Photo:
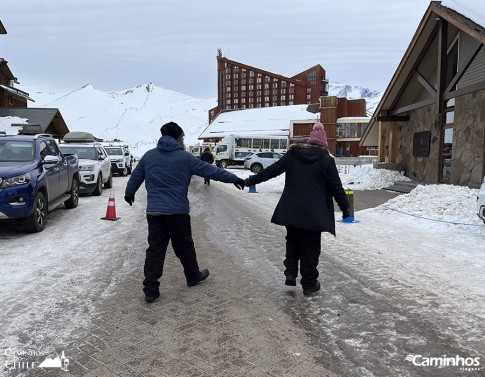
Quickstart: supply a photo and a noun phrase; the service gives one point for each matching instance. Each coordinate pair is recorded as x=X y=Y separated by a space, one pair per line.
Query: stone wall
x=467 y=166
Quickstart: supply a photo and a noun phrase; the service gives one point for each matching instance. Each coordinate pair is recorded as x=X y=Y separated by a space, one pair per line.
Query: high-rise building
x=240 y=86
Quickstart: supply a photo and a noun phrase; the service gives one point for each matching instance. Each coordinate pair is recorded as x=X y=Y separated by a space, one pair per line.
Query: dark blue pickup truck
x=35 y=178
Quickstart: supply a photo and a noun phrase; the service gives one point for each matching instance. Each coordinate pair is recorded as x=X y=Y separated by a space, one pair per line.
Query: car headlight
x=15 y=181
x=86 y=168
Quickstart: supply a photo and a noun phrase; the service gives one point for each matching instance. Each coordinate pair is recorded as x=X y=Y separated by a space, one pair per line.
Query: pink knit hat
x=318 y=135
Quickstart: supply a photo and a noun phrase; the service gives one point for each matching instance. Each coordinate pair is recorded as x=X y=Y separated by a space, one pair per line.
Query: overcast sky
x=119 y=44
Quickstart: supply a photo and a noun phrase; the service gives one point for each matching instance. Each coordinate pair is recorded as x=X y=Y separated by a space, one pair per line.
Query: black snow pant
x=161 y=230
x=302 y=246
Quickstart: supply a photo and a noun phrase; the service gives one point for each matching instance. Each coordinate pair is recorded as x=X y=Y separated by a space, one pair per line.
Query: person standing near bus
x=209 y=158
x=306 y=204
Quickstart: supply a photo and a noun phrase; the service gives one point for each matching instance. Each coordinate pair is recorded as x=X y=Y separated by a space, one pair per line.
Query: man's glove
x=345 y=214
x=239 y=184
x=129 y=199
x=246 y=182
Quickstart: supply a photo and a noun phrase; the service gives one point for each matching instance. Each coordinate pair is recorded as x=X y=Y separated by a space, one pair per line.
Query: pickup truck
x=35 y=178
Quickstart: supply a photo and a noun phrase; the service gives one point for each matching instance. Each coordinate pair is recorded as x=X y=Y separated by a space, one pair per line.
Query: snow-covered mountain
x=136 y=115
x=371 y=97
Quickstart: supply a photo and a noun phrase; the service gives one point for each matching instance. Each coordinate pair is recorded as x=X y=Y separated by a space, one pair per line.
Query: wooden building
x=331 y=109
x=430 y=122
x=240 y=86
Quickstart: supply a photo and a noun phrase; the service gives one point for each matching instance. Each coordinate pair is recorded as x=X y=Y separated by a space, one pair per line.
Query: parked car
x=35 y=178
x=121 y=158
x=481 y=202
x=94 y=164
x=260 y=160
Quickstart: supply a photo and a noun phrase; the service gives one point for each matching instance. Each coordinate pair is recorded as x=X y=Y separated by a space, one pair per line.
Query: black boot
x=203 y=274
x=309 y=291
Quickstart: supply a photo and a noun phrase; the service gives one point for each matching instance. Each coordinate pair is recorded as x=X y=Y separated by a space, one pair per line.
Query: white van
x=233 y=149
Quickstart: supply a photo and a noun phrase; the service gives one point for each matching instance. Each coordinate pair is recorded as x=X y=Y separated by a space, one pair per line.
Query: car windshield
x=87 y=153
x=19 y=151
x=114 y=151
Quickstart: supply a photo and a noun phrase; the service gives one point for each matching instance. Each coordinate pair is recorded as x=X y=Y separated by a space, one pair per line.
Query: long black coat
x=207 y=157
x=311 y=182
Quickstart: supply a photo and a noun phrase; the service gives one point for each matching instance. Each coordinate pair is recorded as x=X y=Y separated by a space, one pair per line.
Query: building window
x=258 y=80
x=258 y=92
x=266 y=86
x=266 y=99
x=347 y=130
x=275 y=85
x=243 y=87
x=291 y=97
x=251 y=81
x=228 y=102
x=258 y=99
x=236 y=94
x=267 y=79
x=236 y=75
x=283 y=98
x=236 y=89
x=258 y=86
x=290 y=103
x=228 y=95
x=236 y=101
x=266 y=92
x=251 y=73
x=275 y=98
x=283 y=84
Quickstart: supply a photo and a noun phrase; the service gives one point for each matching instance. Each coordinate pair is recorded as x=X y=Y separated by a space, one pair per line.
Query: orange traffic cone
x=111 y=210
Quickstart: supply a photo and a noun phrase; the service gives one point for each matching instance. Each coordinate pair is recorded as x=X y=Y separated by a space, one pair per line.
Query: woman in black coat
x=306 y=205
x=209 y=158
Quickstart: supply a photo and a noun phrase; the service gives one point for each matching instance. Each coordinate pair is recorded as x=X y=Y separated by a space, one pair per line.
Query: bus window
x=283 y=144
x=243 y=142
x=265 y=143
x=274 y=144
x=257 y=143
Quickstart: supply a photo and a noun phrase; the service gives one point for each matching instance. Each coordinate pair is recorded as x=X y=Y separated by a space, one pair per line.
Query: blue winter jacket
x=167 y=170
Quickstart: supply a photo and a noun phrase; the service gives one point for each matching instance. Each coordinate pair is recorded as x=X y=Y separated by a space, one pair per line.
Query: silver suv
x=121 y=159
x=94 y=164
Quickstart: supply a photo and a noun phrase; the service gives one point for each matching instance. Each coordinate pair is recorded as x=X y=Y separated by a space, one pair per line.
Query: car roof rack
x=36 y=136
x=79 y=137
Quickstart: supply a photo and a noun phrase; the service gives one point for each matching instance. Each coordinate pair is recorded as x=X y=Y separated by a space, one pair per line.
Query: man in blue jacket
x=167 y=170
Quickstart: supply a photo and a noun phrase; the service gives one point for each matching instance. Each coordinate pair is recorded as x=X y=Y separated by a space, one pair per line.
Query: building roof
x=40 y=120
x=419 y=42
x=260 y=121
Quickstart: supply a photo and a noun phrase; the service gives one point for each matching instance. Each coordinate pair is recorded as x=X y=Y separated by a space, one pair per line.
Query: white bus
x=234 y=148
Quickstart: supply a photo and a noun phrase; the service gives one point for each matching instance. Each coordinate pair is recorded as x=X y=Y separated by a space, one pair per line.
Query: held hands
x=239 y=184
x=246 y=182
x=130 y=200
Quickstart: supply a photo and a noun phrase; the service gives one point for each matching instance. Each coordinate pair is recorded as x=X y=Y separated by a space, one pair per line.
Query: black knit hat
x=172 y=129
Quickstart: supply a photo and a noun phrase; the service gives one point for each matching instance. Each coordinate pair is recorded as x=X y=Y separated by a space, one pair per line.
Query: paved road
x=242 y=321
